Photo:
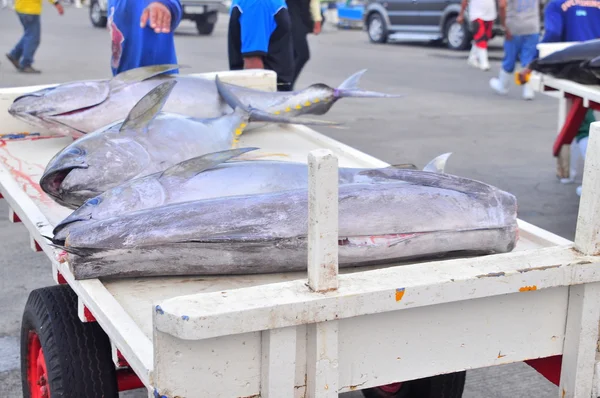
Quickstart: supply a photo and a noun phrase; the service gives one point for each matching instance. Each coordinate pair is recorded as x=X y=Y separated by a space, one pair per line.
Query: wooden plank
x=323 y=266
x=278 y=364
x=587 y=234
x=408 y=286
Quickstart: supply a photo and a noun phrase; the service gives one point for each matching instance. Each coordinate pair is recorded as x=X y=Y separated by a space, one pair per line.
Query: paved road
x=448 y=107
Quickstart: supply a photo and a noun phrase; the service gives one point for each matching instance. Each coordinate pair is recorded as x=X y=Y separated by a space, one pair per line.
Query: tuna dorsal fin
x=191 y=167
x=148 y=107
x=404 y=166
x=228 y=96
x=349 y=88
x=139 y=74
x=351 y=83
x=438 y=164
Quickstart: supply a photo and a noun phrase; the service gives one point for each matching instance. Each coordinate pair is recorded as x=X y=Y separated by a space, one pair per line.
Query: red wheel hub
x=37 y=374
x=391 y=388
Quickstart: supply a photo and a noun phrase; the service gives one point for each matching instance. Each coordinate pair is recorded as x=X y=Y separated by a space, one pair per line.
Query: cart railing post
x=581 y=334
x=322 y=220
x=322 y=345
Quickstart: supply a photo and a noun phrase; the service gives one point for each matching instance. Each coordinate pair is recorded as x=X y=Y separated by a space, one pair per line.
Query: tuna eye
x=75 y=151
x=93 y=201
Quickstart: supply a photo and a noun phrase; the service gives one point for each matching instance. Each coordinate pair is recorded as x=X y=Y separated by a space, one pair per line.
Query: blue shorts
x=521 y=48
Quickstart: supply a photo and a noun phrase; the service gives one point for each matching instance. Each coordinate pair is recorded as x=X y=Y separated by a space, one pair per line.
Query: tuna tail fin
x=438 y=164
x=349 y=88
x=148 y=107
x=194 y=166
x=256 y=115
x=139 y=74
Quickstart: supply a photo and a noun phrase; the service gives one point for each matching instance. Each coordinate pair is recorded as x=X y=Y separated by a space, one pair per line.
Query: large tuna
x=571 y=63
x=147 y=142
x=79 y=108
x=262 y=233
x=210 y=176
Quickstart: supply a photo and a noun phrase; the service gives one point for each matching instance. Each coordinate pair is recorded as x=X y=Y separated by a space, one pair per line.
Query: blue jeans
x=522 y=48
x=29 y=43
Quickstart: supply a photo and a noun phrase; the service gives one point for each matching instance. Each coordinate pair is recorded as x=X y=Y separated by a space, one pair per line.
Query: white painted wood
x=34 y=245
x=278 y=365
x=12 y=216
x=587 y=235
x=581 y=339
x=322 y=220
x=80 y=311
x=322 y=360
x=386 y=289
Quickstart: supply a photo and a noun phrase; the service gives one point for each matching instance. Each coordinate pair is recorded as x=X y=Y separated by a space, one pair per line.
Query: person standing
x=29 y=11
x=306 y=18
x=142 y=33
x=260 y=37
x=482 y=14
x=521 y=22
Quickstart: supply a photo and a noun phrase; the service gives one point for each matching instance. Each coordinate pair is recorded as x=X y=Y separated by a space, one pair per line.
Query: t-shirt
x=134 y=47
x=482 y=9
x=523 y=17
x=571 y=20
x=262 y=28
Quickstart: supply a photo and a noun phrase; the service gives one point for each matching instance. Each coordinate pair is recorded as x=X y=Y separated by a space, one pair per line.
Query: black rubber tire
x=205 y=27
x=102 y=21
x=467 y=37
x=78 y=355
x=449 y=385
x=384 y=36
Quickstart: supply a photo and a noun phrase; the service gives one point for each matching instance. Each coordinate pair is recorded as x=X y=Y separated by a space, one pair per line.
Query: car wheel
x=98 y=20
x=377 y=28
x=458 y=36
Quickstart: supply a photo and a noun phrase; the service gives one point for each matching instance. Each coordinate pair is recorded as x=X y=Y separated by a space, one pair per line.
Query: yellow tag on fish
x=288 y=109
x=277 y=112
x=307 y=103
x=298 y=106
x=316 y=100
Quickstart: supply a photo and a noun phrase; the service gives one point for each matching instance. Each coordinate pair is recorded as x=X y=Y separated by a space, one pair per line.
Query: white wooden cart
x=574 y=100
x=279 y=336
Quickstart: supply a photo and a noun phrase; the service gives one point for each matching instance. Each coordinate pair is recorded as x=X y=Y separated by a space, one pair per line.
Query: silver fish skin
x=208 y=177
x=378 y=224
x=148 y=141
x=79 y=108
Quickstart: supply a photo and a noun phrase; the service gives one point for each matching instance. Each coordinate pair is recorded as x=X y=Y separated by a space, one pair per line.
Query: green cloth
x=584 y=130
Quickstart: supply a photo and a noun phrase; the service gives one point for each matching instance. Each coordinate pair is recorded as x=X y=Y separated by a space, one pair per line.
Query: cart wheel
x=442 y=386
x=60 y=355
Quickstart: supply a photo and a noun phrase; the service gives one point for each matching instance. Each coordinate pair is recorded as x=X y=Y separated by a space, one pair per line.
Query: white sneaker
x=578 y=191
x=482 y=57
x=528 y=93
x=473 y=57
x=500 y=84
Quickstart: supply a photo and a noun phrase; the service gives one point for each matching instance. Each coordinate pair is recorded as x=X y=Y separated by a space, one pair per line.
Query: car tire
x=377 y=28
x=457 y=36
x=449 y=385
x=96 y=16
x=205 y=24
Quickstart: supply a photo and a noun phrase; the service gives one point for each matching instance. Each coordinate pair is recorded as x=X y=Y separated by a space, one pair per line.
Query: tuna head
x=91 y=165
x=45 y=108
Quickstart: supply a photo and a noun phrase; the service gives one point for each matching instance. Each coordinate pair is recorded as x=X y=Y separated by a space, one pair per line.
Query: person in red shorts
x=482 y=14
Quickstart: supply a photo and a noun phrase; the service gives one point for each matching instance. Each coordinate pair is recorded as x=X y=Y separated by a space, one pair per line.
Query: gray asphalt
x=448 y=107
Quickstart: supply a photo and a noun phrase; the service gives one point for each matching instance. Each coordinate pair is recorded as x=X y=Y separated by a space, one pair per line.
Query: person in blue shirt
x=259 y=37
x=142 y=33
x=566 y=21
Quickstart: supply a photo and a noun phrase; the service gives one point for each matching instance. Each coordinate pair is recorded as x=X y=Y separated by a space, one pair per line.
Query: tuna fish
x=146 y=142
x=79 y=108
x=571 y=63
x=434 y=214
x=210 y=176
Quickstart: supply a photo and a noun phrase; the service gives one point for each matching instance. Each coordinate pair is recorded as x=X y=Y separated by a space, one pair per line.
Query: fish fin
x=404 y=166
x=349 y=88
x=149 y=106
x=257 y=115
x=140 y=74
x=438 y=164
x=194 y=166
x=82 y=252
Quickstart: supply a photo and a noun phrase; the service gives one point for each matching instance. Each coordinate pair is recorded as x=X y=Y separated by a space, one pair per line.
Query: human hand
x=253 y=63
x=59 y=8
x=317 y=27
x=460 y=19
x=507 y=34
x=159 y=16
